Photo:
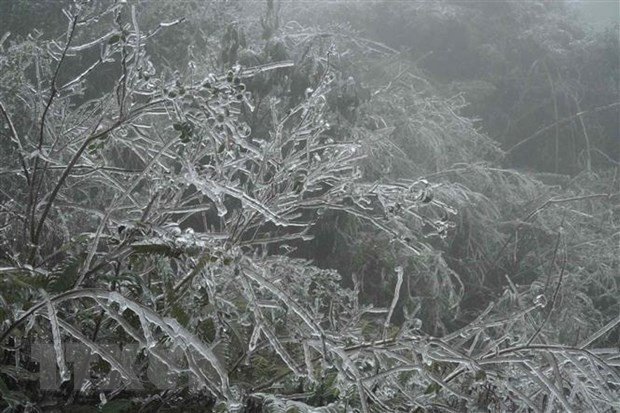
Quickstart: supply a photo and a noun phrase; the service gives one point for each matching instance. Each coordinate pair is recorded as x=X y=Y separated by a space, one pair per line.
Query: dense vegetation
x=284 y=206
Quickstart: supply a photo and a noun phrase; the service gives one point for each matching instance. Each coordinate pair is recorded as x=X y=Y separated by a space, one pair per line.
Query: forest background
x=309 y=206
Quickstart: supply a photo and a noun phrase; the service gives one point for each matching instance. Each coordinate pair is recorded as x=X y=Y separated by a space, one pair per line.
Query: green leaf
x=4 y=390
x=65 y=277
x=157 y=249
x=481 y=375
x=13 y=399
x=16 y=277
x=432 y=388
x=179 y=314
x=114 y=39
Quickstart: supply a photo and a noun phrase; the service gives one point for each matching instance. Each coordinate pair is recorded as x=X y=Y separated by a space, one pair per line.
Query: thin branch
x=399 y=283
x=560 y=122
x=553 y=301
x=16 y=140
x=54 y=90
x=127 y=192
x=535 y=211
x=61 y=181
x=604 y=330
x=551 y=265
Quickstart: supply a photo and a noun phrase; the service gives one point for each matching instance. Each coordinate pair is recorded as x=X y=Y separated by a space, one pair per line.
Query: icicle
x=221 y=208
x=271 y=304
x=178 y=332
x=103 y=398
x=250 y=202
x=65 y=374
x=254 y=338
x=148 y=335
x=210 y=191
x=308 y=361
x=399 y=281
x=101 y=352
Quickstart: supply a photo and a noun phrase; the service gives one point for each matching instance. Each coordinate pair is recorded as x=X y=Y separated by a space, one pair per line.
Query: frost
x=207 y=215
x=254 y=338
x=308 y=361
x=399 y=281
x=146 y=329
x=174 y=229
x=101 y=352
x=540 y=301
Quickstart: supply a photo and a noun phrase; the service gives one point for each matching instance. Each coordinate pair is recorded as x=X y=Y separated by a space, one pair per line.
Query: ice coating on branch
x=146 y=329
x=254 y=338
x=540 y=301
x=205 y=186
x=65 y=374
x=308 y=361
x=215 y=191
x=170 y=327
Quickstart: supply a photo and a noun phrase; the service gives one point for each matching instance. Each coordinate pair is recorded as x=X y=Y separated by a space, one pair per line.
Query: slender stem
x=17 y=142
x=127 y=192
x=560 y=122
x=61 y=181
x=553 y=300
x=554 y=98
x=53 y=92
x=586 y=137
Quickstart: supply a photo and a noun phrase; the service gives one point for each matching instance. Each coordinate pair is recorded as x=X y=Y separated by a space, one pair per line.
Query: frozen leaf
x=540 y=301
